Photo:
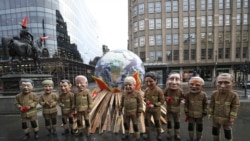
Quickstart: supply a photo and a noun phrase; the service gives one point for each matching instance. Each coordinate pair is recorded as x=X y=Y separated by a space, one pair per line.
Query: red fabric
x=44 y=38
x=169 y=100
x=24 y=109
x=74 y=114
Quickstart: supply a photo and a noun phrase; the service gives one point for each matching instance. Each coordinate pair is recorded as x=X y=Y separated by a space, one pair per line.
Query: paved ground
x=11 y=127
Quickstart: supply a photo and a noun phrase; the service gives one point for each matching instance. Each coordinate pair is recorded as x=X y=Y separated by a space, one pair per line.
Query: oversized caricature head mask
x=174 y=81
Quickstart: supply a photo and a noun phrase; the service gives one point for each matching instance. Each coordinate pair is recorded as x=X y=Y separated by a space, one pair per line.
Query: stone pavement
x=11 y=127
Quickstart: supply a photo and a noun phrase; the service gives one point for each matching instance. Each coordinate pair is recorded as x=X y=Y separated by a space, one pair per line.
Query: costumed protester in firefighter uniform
x=26 y=102
x=196 y=103
x=154 y=99
x=223 y=106
x=83 y=104
x=48 y=100
x=131 y=103
x=173 y=96
x=66 y=101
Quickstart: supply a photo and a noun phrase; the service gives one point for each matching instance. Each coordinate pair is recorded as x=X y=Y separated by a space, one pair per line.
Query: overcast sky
x=112 y=17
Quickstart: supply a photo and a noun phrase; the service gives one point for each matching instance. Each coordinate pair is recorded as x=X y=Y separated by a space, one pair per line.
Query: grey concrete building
x=190 y=36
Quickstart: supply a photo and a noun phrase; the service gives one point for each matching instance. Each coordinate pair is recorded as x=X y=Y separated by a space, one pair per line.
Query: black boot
x=26 y=137
x=125 y=137
x=36 y=136
x=49 y=132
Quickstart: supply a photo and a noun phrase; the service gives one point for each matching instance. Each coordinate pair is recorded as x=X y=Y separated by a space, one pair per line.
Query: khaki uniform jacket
x=66 y=101
x=196 y=104
x=155 y=96
x=176 y=96
x=31 y=100
x=52 y=99
x=224 y=106
x=83 y=100
x=132 y=103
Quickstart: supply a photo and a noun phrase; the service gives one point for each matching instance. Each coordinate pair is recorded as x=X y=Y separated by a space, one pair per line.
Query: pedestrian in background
x=131 y=104
x=83 y=104
x=223 y=106
x=26 y=102
x=66 y=102
x=49 y=100
x=154 y=99
x=196 y=103
x=173 y=96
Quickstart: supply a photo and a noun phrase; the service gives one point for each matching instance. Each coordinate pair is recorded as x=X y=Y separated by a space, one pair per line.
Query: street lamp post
x=245 y=73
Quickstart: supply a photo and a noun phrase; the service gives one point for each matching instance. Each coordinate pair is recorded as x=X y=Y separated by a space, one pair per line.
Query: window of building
x=142 y=41
x=245 y=36
x=176 y=55
x=158 y=40
x=135 y=27
x=136 y=42
x=210 y=53
x=227 y=3
x=227 y=19
x=141 y=8
x=221 y=20
x=192 y=38
x=203 y=38
x=158 y=7
x=203 y=21
x=168 y=22
x=245 y=52
x=238 y=3
x=158 y=23
x=169 y=39
x=220 y=36
x=176 y=39
x=220 y=55
x=175 y=23
x=185 y=5
x=151 y=40
x=168 y=6
x=158 y=56
x=228 y=36
x=151 y=56
x=151 y=24
x=237 y=54
x=209 y=20
x=203 y=4
x=134 y=11
x=185 y=21
x=238 y=19
x=246 y=3
x=193 y=54
x=238 y=36
x=203 y=53
x=169 y=55
x=187 y=38
x=245 y=19
x=221 y=4
x=186 y=54
x=209 y=4
x=210 y=37
x=141 y=25
x=227 y=53
x=151 y=7
x=175 y=5
x=192 y=21
x=192 y=4
x=142 y=55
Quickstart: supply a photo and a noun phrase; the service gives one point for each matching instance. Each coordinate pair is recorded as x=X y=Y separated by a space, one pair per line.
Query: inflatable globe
x=115 y=65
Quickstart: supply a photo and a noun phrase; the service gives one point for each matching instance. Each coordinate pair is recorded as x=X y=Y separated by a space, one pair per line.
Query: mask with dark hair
x=151 y=74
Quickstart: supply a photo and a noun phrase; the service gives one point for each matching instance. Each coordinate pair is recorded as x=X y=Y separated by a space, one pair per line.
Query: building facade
x=190 y=36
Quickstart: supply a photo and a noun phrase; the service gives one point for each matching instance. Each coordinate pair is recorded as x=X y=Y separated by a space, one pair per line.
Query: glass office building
x=42 y=21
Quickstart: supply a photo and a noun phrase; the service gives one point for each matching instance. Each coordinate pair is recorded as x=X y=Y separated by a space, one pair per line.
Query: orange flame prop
x=101 y=84
x=138 y=80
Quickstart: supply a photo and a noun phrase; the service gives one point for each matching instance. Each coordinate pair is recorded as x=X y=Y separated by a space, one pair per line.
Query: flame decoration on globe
x=115 y=65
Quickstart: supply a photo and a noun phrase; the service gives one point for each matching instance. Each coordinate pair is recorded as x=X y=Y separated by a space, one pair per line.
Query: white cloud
x=112 y=17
